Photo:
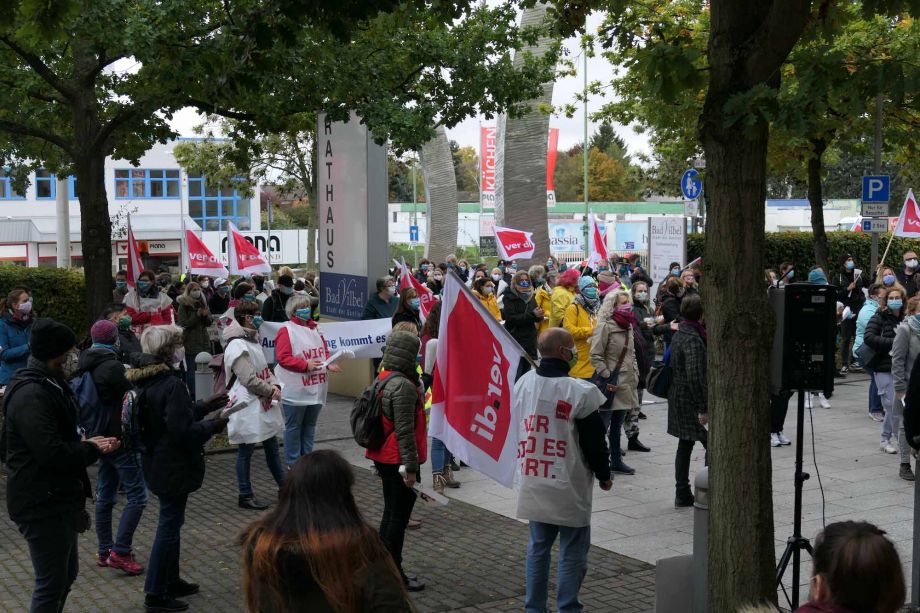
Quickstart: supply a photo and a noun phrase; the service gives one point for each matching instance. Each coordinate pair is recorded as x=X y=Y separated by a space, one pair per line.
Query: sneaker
x=449 y=480
x=906 y=473
x=164 y=604
x=438 y=483
x=808 y=400
x=877 y=416
x=183 y=588
x=845 y=369
x=856 y=368
x=783 y=440
x=642 y=415
x=414 y=524
x=886 y=447
x=413 y=584
x=102 y=559
x=622 y=469
x=774 y=440
x=825 y=403
x=125 y=563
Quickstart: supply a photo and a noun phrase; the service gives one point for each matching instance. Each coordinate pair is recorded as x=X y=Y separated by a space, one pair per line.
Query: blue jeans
x=244 y=461
x=121 y=467
x=875 y=403
x=299 y=430
x=573 y=564
x=613 y=422
x=440 y=456
x=163 y=569
x=53 y=549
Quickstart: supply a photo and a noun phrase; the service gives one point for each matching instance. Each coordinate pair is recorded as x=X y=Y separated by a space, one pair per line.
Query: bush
x=799 y=248
x=56 y=293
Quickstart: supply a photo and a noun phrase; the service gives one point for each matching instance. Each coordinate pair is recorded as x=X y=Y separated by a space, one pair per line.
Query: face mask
x=641 y=296
x=463 y=268
x=539 y=281
x=911 y=263
x=391 y=290
x=287 y=291
x=122 y=285
x=851 y=264
x=25 y=308
x=514 y=267
x=501 y=268
x=488 y=291
x=143 y=285
x=223 y=290
x=675 y=271
x=70 y=366
x=451 y=265
x=549 y=263
x=178 y=356
x=257 y=321
x=124 y=322
x=249 y=298
x=524 y=284
x=496 y=278
x=415 y=304
x=196 y=294
x=424 y=267
x=438 y=278
x=206 y=284
x=895 y=305
x=303 y=314
x=888 y=279
x=573 y=361
x=790 y=274
x=590 y=293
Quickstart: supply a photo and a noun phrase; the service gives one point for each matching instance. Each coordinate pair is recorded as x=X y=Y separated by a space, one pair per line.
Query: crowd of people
x=594 y=334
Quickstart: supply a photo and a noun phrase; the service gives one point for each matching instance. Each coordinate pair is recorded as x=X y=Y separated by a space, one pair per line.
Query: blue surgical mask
x=121 y=284
x=549 y=263
x=257 y=321
x=896 y=304
x=851 y=264
x=287 y=291
x=888 y=279
x=523 y=283
x=249 y=298
x=143 y=285
x=415 y=304
x=675 y=271
x=303 y=314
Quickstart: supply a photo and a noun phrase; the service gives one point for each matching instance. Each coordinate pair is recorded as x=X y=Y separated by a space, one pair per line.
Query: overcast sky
x=570 y=130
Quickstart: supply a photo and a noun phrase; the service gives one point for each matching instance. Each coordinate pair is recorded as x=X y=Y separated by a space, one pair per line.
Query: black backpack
x=366 y=415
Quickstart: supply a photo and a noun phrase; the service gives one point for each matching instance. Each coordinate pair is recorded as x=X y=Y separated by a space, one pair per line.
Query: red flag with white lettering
x=243 y=256
x=135 y=265
x=200 y=259
x=474 y=375
x=597 y=244
x=514 y=244
x=426 y=297
x=909 y=219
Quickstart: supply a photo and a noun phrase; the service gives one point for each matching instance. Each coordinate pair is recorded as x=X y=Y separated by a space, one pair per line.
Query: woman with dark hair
x=408 y=308
x=15 y=328
x=880 y=333
x=484 y=290
x=856 y=568
x=147 y=305
x=520 y=312
x=314 y=552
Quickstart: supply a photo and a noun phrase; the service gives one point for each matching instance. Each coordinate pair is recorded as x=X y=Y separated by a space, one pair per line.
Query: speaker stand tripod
x=796 y=543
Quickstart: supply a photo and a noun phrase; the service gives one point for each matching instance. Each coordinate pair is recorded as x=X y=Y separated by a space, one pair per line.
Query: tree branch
x=774 y=39
x=213 y=109
x=34 y=94
x=42 y=69
x=23 y=130
x=103 y=63
x=120 y=119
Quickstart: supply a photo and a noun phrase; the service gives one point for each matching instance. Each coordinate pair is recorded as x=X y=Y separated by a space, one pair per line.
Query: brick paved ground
x=471 y=559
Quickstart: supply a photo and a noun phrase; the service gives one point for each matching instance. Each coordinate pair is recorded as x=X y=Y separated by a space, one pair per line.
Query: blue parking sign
x=876 y=188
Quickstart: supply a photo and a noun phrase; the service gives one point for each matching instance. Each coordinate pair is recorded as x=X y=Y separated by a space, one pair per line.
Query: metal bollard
x=204 y=379
x=701 y=542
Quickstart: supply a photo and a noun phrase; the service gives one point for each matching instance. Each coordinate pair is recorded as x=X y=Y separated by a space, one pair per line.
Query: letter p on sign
x=876 y=188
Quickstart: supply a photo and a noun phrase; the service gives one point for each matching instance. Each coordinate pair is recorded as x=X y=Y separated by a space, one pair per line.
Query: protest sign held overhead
x=514 y=244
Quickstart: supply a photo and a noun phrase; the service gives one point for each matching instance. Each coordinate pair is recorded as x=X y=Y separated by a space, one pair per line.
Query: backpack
x=366 y=415
x=94 y=418
x=221 y=384
x=133 y=422
x=658 y=381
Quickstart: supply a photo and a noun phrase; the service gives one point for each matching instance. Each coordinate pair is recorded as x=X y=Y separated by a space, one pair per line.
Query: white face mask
x=391 y=290
x=496 y=278
x=911 y=263
x=179 y=356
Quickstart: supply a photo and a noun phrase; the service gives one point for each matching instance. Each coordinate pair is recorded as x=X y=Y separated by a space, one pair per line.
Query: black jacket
x=218 y=304
x=879 y=336
x=108 y=374
x=520 y=320
x=670 y=310
x=46 y=459
x=174 y=431
x=912 y=407
x=854 y=298
x=273 y=309
x=641 y=311
x=407 y=315
x=908 y=281
x=130 y=346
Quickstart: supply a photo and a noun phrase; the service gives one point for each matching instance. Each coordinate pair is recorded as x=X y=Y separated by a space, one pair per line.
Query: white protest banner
x=364 y=338
x=667 y=242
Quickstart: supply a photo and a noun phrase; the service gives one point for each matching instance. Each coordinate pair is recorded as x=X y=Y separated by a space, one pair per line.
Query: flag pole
x=881 y=262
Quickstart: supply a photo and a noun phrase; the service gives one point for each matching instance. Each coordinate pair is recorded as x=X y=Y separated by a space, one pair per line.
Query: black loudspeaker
x=805 y=340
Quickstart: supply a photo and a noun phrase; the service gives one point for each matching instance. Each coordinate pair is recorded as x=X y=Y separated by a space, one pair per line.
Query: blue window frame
x=6 y=188
x=146 y=183
x=46 y=186
x=212 y=207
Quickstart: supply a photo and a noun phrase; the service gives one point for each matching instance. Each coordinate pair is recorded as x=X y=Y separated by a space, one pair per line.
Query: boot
x=635 y=444
x=449 y=480
x=683 y=498
x=617 y=464
x=438 y=483
x=249 y=502
x=906 y=473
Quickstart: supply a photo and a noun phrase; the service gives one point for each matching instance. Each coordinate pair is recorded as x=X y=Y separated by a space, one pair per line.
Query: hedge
x=56 y=293
x=799 y=248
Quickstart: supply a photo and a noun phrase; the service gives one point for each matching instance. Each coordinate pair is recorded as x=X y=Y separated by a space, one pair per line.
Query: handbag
x=614 y=377
x=658 y=381
x=866 y=354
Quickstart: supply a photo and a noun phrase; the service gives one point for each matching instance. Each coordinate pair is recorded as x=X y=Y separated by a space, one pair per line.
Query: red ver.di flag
x=135 y=265
x=909 y=219
x=514 y=244
x=426 y=297
x=474 y=375
x=243 y=256
x=200 y=259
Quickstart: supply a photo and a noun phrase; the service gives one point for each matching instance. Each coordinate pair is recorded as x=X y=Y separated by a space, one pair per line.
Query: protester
x=421 y=274
x=314 y=552
x=301 y=352
x=484 y=290
x=645 y=320
x=855 y=568
x=147 y=305
x=382 y=305
x=904 y=351
x=250 y=381
x=786 y=274
x=408 y=308
x=543 y=282
x=607 y=282
x=129 y=346
x=312 y=287
x=194 y=319
x=121 y=468
x=688 y=277
x=220 y=301
x=173 y=457
x=907 y=277
x=613 y=357
x=442 y=473
x=121 y=287
x=261 y=290
x=889 y=279
x=521 y=313
x=645 y=355
x=850 y=284
x=15 y=328
x=879 y=336
x=669 y=307
x=403 y=412
x=242 y=292
x=206 y=287
x=580 y=318
x=876 y=297
x=479 y=273
x=501 y=279
x=562 y=296
x=273 y=309
x=557 y=500
x=688 y=413
x=47 y=486
x=436 y=281
x=463 y=270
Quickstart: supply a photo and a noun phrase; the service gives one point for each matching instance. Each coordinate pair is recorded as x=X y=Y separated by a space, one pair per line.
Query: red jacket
x=283 y=352
x=388 y=453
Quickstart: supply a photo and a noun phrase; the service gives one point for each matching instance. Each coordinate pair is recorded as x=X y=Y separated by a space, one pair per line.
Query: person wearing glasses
x=520 y=312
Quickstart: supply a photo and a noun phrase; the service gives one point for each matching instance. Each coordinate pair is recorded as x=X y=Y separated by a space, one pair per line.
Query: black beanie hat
x=286 y=280
x=50 y=339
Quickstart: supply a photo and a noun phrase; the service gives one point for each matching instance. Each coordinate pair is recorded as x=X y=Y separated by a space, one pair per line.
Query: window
x=6 y=188
x=146 y=183
x=212 y=207
x=46 y=186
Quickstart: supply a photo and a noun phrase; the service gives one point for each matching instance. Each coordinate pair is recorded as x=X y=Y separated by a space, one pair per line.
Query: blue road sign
x=691 y=185
x=876 y=188
x=413 y=234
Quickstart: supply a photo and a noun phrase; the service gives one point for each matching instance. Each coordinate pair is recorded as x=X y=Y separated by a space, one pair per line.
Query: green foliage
x=403 y=250
x=56 y=293
x=798 y=247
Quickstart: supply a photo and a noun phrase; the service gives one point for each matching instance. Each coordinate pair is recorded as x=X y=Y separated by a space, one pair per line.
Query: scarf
x=589 y=306
x=700 y=329
x=623 y=318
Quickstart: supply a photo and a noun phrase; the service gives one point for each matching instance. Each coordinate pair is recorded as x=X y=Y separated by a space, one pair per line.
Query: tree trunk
x=816 y=200
x=441 y=196
x=747 y=44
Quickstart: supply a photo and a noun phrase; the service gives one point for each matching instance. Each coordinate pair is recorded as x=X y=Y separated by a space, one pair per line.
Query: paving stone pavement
x=471 y=559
